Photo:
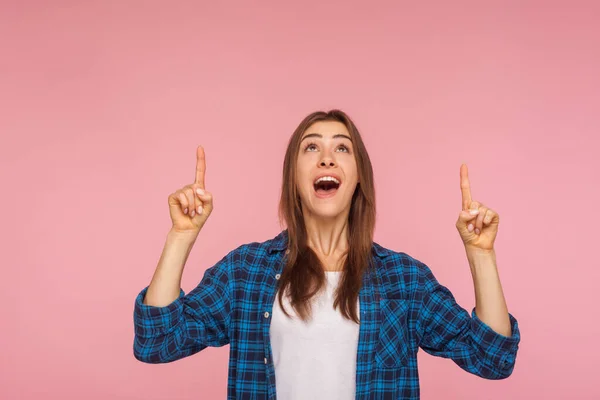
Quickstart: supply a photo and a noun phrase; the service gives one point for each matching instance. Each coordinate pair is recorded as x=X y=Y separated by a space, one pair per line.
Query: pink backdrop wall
x=102 y=105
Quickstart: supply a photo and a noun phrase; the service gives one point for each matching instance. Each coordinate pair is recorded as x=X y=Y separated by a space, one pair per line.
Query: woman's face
x=326 y=151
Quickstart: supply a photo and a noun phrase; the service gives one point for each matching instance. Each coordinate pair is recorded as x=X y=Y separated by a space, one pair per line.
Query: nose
x=326 y=161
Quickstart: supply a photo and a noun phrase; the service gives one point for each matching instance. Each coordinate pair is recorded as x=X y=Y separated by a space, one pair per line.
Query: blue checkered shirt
x=402 y=308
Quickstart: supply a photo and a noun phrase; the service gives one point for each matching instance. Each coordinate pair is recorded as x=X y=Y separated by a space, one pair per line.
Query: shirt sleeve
x=447 y=330
x=189 y=324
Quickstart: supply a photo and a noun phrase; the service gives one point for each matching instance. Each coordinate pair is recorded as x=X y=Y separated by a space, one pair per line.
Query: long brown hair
x=304 y=275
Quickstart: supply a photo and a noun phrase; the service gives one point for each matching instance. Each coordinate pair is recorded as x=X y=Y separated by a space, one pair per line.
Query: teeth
x=327 y=178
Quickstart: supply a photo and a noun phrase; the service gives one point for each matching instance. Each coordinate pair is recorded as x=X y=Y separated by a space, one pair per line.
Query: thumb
x=465 y=217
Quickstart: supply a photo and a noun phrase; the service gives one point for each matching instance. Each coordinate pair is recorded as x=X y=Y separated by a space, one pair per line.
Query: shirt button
x=277 y=276
x=266 y=314
x=265 y=360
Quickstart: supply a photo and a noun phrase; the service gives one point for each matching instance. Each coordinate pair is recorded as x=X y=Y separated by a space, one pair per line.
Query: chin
x=327 y=215
x=327 y=211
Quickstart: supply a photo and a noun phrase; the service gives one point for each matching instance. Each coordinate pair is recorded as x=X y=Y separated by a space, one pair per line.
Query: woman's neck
x=329 y=240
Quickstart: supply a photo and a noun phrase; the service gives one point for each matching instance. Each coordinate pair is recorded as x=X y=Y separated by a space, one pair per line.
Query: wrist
x=479 y=252
x=182 y=237
x=481 y=259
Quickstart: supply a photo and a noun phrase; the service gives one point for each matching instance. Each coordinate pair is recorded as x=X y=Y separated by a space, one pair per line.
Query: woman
x=321 y=311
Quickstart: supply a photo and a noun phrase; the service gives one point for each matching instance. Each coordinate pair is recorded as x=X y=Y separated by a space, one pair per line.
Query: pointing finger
x=465 y=187
x=200 y=166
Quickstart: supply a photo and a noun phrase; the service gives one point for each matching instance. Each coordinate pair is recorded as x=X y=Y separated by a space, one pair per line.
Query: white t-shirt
x=317 y=359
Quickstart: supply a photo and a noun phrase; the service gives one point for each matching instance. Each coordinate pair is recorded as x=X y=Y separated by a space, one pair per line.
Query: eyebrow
x=337 y=136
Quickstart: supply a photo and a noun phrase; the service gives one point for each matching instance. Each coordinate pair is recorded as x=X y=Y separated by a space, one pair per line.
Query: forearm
x=166 y=282
x=490 y=302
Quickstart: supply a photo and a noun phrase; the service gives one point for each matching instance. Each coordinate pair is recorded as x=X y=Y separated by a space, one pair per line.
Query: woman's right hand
x=189 y=210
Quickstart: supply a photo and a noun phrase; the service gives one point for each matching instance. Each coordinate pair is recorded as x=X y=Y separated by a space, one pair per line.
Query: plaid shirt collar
x=280 y=243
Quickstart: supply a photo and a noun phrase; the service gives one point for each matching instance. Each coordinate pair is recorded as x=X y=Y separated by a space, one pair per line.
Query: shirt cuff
x=499 y=351
x=152 y=321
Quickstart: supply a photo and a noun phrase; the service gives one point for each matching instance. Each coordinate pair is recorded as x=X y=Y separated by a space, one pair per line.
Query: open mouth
x=326 y=186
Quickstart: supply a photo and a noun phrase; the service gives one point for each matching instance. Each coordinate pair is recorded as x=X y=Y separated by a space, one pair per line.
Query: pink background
x=102 y=105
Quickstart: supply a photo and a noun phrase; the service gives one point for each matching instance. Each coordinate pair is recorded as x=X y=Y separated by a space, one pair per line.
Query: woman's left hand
x=477 y=224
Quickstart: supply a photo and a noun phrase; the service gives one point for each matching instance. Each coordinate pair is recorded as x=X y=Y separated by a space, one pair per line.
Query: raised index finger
x=465 y=187
x=200 y=166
